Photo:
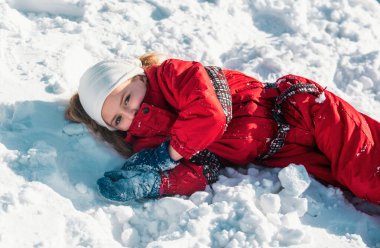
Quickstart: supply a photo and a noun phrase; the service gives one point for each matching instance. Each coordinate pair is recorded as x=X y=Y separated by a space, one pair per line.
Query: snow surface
x=48 y=167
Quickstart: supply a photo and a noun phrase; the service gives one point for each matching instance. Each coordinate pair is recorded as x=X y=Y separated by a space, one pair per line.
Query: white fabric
x=99 y=81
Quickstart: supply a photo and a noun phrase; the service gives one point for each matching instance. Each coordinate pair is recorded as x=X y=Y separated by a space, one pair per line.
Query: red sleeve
x=188 y=89
x=184 y=179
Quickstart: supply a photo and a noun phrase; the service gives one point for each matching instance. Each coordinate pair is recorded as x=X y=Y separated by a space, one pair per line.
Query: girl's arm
x=174 y=154
x=201 y=119
x=134 y=184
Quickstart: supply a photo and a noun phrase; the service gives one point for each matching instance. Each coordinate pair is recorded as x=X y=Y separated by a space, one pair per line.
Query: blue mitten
x=122 y=186
x=153 y=159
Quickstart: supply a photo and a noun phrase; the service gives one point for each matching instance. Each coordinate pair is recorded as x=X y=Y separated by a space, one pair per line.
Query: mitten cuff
x=165 y=162
x=155 y=192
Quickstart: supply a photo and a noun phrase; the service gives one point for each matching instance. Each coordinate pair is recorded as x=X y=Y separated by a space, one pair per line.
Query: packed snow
x=49 y=167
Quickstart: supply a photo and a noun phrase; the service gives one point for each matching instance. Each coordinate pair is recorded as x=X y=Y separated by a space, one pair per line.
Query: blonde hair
x=75 y=113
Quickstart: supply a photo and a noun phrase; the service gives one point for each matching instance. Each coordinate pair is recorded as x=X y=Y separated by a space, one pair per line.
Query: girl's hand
x=153 y=159
x=122 y=186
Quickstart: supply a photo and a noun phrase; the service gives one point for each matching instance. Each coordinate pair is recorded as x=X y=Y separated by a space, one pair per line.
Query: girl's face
x=121 y=106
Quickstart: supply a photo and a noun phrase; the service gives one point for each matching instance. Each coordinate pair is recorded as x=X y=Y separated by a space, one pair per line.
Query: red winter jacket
x=331 y=139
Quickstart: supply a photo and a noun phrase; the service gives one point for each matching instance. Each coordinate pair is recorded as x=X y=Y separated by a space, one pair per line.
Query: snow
x=49 y=167
x=294 y=179
x=321 y=98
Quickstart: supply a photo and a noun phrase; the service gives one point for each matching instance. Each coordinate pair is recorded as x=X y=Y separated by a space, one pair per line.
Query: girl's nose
x=130 y=113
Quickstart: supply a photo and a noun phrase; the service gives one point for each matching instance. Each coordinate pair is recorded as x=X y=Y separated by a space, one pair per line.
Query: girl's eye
x=127 y=99
x=118 y=120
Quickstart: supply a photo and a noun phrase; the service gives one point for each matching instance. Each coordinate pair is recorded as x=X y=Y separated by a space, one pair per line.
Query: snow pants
x=335 y=143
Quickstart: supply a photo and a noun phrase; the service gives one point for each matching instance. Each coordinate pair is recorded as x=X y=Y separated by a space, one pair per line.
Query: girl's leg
x=348 y=138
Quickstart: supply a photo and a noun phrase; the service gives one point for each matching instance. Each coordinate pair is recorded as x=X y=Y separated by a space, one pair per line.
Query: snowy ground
x=48 y=167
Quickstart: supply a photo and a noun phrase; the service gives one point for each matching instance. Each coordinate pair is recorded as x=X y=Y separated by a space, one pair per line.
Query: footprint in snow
x=160 y=13
x=272 y=24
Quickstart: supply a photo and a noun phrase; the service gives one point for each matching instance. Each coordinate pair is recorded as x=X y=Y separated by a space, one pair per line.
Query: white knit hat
x=99 y=81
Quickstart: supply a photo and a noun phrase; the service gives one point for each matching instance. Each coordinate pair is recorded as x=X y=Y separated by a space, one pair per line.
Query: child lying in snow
x=183 y=121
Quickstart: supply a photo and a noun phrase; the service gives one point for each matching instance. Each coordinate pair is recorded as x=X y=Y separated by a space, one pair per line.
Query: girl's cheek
x=126 y=125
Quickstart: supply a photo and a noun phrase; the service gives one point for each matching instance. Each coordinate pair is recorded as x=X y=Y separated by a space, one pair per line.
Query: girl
x=183 y=121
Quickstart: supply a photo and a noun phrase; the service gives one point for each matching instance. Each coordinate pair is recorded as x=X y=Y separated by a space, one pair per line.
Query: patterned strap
x=297 y=89
x=222 y=90
x=283 y=127
x=208 y=160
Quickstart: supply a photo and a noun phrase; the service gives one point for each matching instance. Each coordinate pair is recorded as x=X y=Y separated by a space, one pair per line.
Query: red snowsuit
x=334 y=142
